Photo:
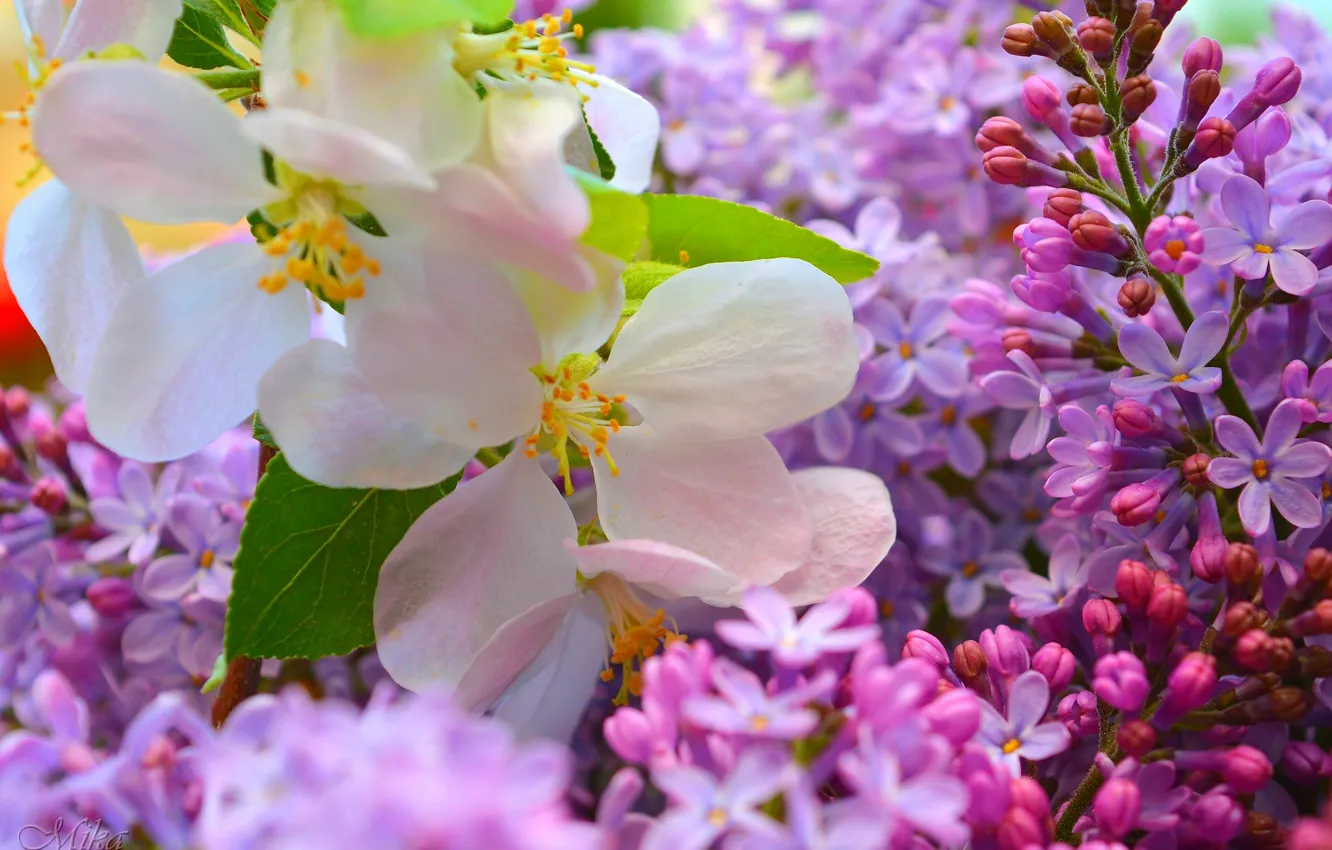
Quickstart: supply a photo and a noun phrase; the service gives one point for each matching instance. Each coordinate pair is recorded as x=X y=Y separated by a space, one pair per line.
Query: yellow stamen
x=970 y=569
x=1260 y=469
x=634 y=632
x=905 y=350
x=1179 y=379
x=1263 y=249
x=207 y=558
x=1175 y=248
x=1011 y=746
x=948 y=415
x=887 y=609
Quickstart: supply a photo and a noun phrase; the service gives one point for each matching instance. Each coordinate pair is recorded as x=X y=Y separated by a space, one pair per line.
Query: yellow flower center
x=634 y=632
x=868 y=411
x=1179 y=379
x=717 y=817
x=207 y=558
x=947 y=102
x=531 y=50
x=1011 y=746
x=970 y=569
x=1263 y=249
x=887 y=609
x=312 y=247
x=905 y=350
x=1260 y=469
x=758 y=723
x=571 y=411
x=948 y=415
x=1175 y=249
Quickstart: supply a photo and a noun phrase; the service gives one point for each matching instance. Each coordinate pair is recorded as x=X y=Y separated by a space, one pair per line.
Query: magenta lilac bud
x=1304 y=762
x=1001 y=132
x=1255 y=650
x=1056 y=664
x=1101 y=617
x=1078 y=714
x=955 y=715
x=111 y=596
x=1190 y=687
x=925 y=646
x=1040 y=97
x=49 y=495
x=1021 y=829
x=1203 y=54
x=1134 y=584
x=1316 y=621
x=1006 y=652
x=1136 y=504
x=1215 y=138
x=1097 y=37
x=1246 y=769
x=1117 y=807
x=1008 y=166
x=1208 y=556
x=1135 y=420
x=1092 y=231
x=1136 y=738
x=1121 y=680
x=1062 y=205
x=1278 y=82
x=1168 y=607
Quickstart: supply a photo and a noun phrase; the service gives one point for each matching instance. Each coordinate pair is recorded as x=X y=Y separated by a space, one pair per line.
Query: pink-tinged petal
x=65 y=715
x=1046 y=740
x=1229 y=472
x=169 y=578
x=568 y=322
x=1028 y=699
x=1011 y=389
x=1236 y=437
x=510 y=650
x=1306 y=460
x=334 y=430
x=145 y=25
x=935 y=804
x=41 y=18
x=964 y=597
x=1060 y=482
x=732 y=502
x=1079 y=424
x=1307 y=226
x=1204 y=339
x=628 y=127
x=1025 y=583
x=182 y=356
x=459 y=361
x=1283 y=427
x=769 y=610
x=1252 y=266
x=1202 y=380
x=1293 y=272
x=853 y=524
x=549 y=698
x=150 y=144
x=1246 y=205
x=1031 y=435
x=1143 y=347
x=1296 y=503
x=665 y=571
x=322 y=148
x=1225 y=246
x=1139 y=386
x=688 y=357
x=472 y=562
x=1255 y=507
x=68 y=265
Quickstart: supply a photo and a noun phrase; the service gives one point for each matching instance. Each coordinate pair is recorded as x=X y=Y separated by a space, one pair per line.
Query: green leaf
x=696 y=231
x=219 y=674
x=619 y=220
x=262 y=434
x=246 y=17
x=641 y=278
x=398 y=18
x=309 y=561
x=257 y=13
x=604 y=162
x=200 y=42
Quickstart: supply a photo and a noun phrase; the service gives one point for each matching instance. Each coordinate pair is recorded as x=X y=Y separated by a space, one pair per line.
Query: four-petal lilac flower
x=1174 y=244
x=210 y=542
x=746 y=708
x=1022 y=735
x=1035 y=595
x=135 y=519
x=1143 y=347
x=1314 y=396
x=1253 y=247
x=703 y=809
x=915 y=350
x=1271 y=470
x=967 y=558
x=772 y=627
x=1026 y=389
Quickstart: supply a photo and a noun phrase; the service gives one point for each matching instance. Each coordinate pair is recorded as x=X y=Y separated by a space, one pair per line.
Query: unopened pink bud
x=49 y=495
x=1246 y=769
x=1062 y=205
x=1040 y=96
x=1216 y=138
x=925 y=646
x=1056 y=664
x=111 y=597
x=1134 y=419
x=1278 y=82
x=1097 y=37
x=1136 y=504
x=1203 y=54
x=1092 y=231
x=1118 y=805
x=1169 y=606
x=1101 y=617
x=1134 y=584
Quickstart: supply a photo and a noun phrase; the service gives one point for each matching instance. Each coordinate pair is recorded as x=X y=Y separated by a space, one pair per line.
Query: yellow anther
x=1260 y=469
x=1011 y=746
x=207 y=558
x=566 y=16
x=970 y=569
x=1179 y=379
x=1263 y=249
x=905 y=350
x=302 y=79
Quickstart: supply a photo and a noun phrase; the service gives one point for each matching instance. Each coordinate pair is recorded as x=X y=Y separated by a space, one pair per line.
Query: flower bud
x=1134 y=584
x=1310 y=834
x=1242 y=617
x=1006 y=652
x=1253 y=651
x=955 y=715
x=1117 y=807
x=1137 y=297
x=1089 y=120
x=1101 y=617
x=1005 y=132
x=1028 y=795
x=1142 y=46
x=1136 y=738
x=1040 y=97
x=74 y=424
x=1055 y=31
x=1217 y=818
x=969 y=661
x=1121 y=680
x=1190 y=685
x=1243 y=567
x=1278 y=82
x=1318 y=566
x=1304 y=762
x=1019 y=830
x=863 y=608
x=1092 y=231
x=1138 y=94
x=629 y=734
x=1082 y=93
x=51 y=446
x=1246 y=769
x=1008 y=166
x=1019 y=339
x=49 y=496
x=1168 y=607
x=1056 y=664
x=1315 y=621
x=925 y=646
x=1200 y=93
x=1097 y=37
x=1021 y=40
x=1203 y=54
x=111 y=597
x=1291 y=705
x=1136 y=504
x=17 y=402
x=1078 y=714
x=1062 y=205
x=1215 y=138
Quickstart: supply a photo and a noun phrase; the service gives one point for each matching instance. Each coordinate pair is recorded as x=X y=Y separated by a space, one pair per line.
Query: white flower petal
x=41 y=18
x=324 y=148
x=731 y=502
x=628 y=127
x=513 y=647
x=854 y=527
x=182 y=356
x=68 y=265
x=150 y=144
x=688 y=359
x=661 y=569
x=548 y=700
x=145 y=25
x=335 y=431
x=460 y=361
x=474 y=561
x=569 y=323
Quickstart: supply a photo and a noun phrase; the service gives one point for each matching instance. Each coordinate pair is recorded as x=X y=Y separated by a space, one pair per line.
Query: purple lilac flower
x=1146 y=350
x=773 y=627
x=1272 y=471
x=32 y=586
x=1021 y=734
x=1084 y=454
x=1025 y=389
x=210 y=543
x=704 y=809
x=946 y=422
x=915 y=350
x=1315 y=396
x=135 y=519
x=1037 y=596
x=941 y=95
x=1254 y=247
x=1174 y=244
x=931 y=803
x=745 y=707
x=966 y=557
